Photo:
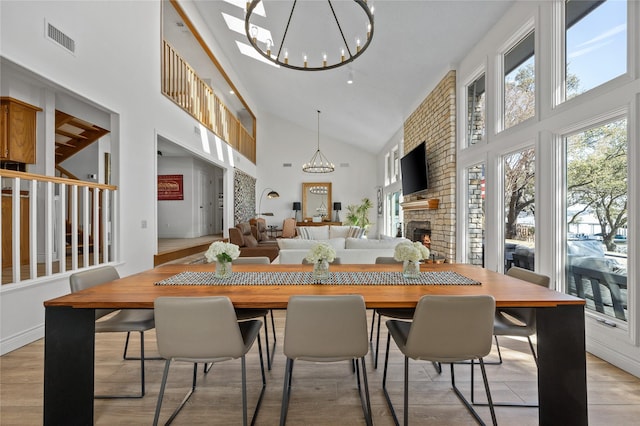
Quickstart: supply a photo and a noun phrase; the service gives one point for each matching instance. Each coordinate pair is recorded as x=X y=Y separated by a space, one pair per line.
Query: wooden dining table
x=70 y=325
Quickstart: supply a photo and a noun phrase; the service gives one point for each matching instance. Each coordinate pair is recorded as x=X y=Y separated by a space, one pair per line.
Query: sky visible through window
x=597 y=46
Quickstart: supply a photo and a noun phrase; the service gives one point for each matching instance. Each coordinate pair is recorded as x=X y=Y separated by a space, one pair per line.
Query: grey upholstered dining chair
x=204 y=329
x=397 y=313
x=520 y=322
x=445 y=329
x=247 y=314
x=125 y=320
x=326 y=329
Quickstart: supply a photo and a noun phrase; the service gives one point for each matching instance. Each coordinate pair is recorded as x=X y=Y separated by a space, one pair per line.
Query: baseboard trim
x=620 y=360
x=19 y=340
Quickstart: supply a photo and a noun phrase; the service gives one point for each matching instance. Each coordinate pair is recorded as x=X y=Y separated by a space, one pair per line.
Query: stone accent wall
x=244 y=197
x=475 y=215
x=434 y=121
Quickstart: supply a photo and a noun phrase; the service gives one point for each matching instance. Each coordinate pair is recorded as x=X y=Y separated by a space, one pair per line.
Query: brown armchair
x=242 y=237
x=259 y=231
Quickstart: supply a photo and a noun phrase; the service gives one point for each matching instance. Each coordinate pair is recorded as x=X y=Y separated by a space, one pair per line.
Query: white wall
x=282 y=142
x=116 y=69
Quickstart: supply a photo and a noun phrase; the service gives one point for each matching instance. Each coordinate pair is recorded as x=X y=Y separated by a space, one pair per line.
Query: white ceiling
x=415 y=43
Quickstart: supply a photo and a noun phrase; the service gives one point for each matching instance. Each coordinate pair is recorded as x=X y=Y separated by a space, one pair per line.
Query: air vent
x=60 y=38
x=286 y=164
x=344 y=164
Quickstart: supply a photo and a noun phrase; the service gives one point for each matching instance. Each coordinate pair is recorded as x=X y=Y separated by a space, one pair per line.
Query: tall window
x=475 y=215
x=392 y=166
x=476 y=111
x=519 y=82
x=595 y=43
x=394 y=216
x=519 y=209
x=596 y=211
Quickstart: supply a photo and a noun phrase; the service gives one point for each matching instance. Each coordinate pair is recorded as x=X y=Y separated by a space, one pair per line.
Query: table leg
x=562 y=371
x=68 y=366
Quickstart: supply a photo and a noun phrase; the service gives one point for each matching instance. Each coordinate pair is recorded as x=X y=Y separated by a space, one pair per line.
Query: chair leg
x=161 y=394
x=366 y=404
x=186 y=397
x=486 y=388
x=244 y=390
x=375 y=359
x=373 y=323
x=135 y=358
x=466 y=402
x=533 y=351
x=142 y=379
x=264 y=383
x=286 y=391
x=384 y=384
x=406 y=391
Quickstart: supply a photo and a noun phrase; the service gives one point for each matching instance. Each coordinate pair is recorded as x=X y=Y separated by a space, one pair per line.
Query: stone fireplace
x=434 y=121
x=419 y=231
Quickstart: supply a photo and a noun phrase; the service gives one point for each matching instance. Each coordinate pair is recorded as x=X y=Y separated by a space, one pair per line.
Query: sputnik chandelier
x=315 y=43
x=318 y=163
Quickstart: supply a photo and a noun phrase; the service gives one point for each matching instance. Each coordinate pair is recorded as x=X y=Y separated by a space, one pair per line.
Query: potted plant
x=358 y=214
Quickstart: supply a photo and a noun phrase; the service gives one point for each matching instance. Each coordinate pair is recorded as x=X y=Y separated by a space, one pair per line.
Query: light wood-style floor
x=323 y=394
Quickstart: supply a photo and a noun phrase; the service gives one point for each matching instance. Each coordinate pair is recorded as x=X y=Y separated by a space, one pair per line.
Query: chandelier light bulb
x=324 y=59
x=342 y=55
x=286 y=56
x=254 y=33
x=269 y=44
x=358 y=44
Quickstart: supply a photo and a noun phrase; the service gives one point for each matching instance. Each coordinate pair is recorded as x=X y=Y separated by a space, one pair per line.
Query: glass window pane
x=596 y=247
x=519 y=82
x=519 y=209
x=596 y=43
x=476 y=111
x=475 y=215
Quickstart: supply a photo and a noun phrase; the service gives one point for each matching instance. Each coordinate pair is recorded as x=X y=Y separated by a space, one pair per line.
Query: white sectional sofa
x=348 y=249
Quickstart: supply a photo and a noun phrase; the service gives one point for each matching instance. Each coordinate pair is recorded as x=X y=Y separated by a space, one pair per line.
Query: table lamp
x=337 y=207
x=297 y=206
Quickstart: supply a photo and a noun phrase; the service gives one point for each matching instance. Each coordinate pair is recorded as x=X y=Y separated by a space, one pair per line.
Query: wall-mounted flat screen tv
x=414 y=170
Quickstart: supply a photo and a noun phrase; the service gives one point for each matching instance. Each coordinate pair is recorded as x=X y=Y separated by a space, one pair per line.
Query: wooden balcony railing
x=182 y=85
x=51 y=225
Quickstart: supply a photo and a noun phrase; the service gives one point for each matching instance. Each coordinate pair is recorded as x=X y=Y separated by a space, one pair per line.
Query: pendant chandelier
x=318 y=163
x=314 y=43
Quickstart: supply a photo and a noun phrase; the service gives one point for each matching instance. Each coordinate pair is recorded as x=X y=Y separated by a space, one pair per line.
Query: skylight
x=242 y=4
x=237 y=25
x=249 y=51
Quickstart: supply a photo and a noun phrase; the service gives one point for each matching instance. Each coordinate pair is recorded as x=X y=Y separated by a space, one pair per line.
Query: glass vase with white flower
x=410 y=254
x=320 y=255
x=223 y=254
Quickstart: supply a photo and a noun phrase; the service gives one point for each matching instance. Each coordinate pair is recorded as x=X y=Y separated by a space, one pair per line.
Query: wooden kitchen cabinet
x=17 y=131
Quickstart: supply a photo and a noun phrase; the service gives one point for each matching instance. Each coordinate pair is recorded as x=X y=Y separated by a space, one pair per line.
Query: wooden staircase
x=73 y=135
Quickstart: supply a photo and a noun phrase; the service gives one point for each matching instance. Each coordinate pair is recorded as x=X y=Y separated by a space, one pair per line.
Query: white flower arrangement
x=321 y=251
x=414 y=252
x=222 y=252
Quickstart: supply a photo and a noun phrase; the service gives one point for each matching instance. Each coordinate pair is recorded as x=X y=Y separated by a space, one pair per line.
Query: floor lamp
x=271 y=194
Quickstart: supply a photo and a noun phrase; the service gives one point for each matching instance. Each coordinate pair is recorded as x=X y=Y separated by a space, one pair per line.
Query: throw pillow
x=355 y=232
x=250 y=241
x=339 y=231
x=313 y=232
